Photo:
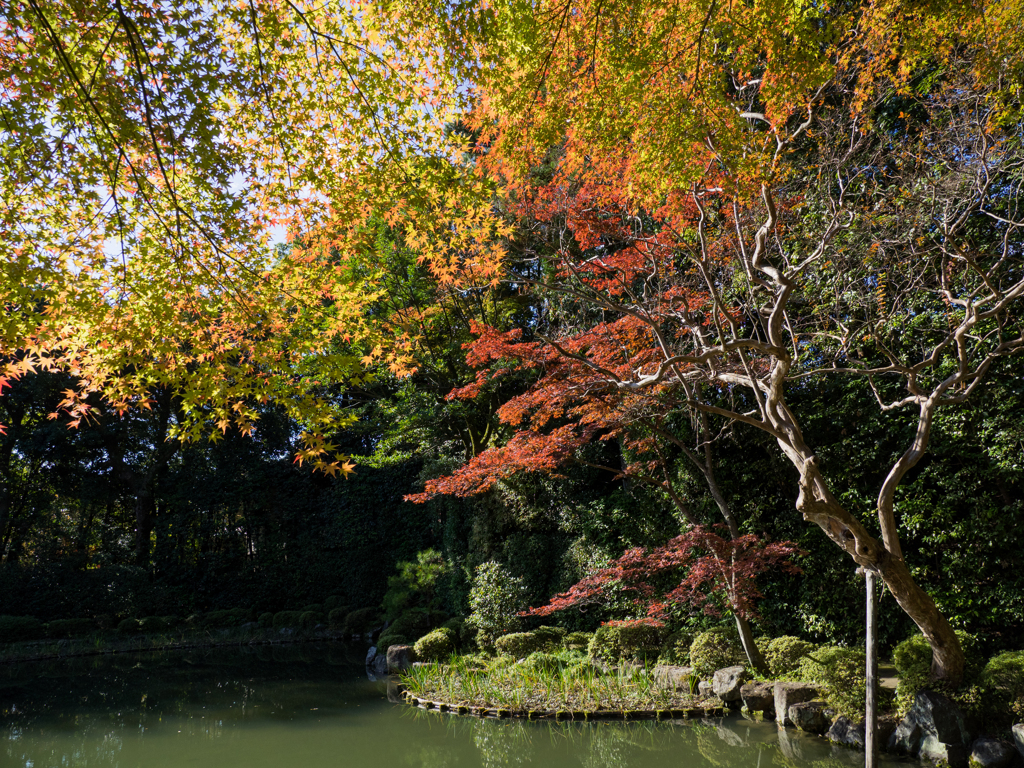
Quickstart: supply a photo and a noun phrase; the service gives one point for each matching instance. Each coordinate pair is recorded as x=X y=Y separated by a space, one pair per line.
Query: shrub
x=152 y=624
x=266 y=620
x=436 y=645
x=416 y=583
x=1004 y=677
x=840 y=671
x=129 y=627
x=314 y=607
x=543 y=662
x=783 y=654
x=309 y=619
x=15 y=629
x=676 y=648
x=913 y=661
x=361 y=621
x=286 y=619
x=612 y=642
x=519 y=644
x=712 y=650
x=388 y=638
x=577 y=640
x=336 y=617
x=70 y=628
x=334 y=602
x=553 y=635
x=458 y=626
x=413 y=623
x=495 y=599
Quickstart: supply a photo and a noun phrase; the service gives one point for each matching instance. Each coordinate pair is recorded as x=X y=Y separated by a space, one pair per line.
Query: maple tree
x=738 y=198
x=152 y=150
x=712 y=565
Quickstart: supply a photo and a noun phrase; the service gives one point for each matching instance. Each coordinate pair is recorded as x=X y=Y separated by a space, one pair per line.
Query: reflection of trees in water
x=626 y=744
x=503 y=743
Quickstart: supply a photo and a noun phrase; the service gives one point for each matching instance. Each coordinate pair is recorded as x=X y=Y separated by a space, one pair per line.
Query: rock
x=705 y=689
x=811 y=716
x=758 y=697
x=727 y=682
x=933 y=729
x=788 y=694
x=396 y=693
x=846 y=733
x=400 y=657
x=729 y=736
x=991 y=753
x=1018 y=736
x=371 y=654
x=673 y=678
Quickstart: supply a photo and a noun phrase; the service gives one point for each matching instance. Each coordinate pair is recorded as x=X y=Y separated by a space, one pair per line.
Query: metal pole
x=871 y=705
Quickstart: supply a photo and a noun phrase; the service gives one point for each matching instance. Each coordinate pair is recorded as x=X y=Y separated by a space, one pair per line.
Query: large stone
x=811 y=716
x=788 y=694
x=933 y=729
x=400 y=657
x=673 y=678
x=371 y=655
x=758 y=697
x=727 y=682
x=991 y=753
x=1018 y=736
x=791 y=744
x=846 y=733
x=705 y=689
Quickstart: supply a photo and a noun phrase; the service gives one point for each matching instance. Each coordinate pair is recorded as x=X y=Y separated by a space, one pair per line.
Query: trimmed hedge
x=284 y=619
x=626 y=641
x=266 y=620
x=577 y=640
x=16 y=629
x=61 y=628
x=388 y=638
x=309 y=619
x=152 y=624
x=129 y=627
x=783 y=654
x=841 y=672
x=712 y=650
x=436 y=645
x=519 y=644
x=362 y=621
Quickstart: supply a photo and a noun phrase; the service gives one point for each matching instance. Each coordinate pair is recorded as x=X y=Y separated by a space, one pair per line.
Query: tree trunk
x=753 y=653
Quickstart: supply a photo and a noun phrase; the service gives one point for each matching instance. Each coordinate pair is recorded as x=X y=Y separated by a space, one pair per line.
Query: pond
x=312 y=707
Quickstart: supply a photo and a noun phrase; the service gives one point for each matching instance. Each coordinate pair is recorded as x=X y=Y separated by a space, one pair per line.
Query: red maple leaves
x=712 y=567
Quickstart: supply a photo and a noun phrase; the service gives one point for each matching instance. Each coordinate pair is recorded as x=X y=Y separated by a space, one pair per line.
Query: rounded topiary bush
x=840 y=672
x=413 y=623
x=579 y=641
x=783 y=654
x=388 y=638
x=436 y=645
x=519 y=644
x=361 y=621
x=336 y=617
x=266 y=620
x=612 y=642
x=14 y=629
x=61 y=628
x=129 y=626
x=458 y=626
x=712 y=650
x=676 y=649
x=152 y=624
x=313 y=607
x=309 y=619
x=284 y=619
x=1003 y=677
x=334 y=602
x=553 y=636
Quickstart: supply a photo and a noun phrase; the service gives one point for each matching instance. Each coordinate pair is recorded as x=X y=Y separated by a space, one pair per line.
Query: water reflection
x=313 y=707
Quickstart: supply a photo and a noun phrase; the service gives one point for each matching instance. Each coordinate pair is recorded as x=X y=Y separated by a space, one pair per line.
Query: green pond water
x=313 y=707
